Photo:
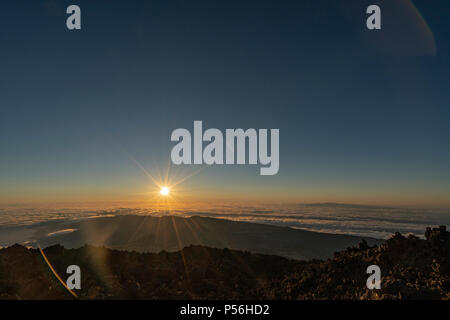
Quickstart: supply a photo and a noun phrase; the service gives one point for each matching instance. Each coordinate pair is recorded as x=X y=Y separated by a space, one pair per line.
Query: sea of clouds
x=371 y=221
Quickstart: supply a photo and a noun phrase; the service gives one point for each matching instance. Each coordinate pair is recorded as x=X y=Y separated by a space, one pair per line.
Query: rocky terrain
x=411 y=268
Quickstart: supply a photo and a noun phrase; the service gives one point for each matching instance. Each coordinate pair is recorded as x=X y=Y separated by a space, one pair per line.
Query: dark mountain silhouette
x=411 y=268
x=171 y=233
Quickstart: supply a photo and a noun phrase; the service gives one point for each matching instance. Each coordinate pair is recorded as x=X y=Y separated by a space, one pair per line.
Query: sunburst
x=164 y=191
x=165 y=184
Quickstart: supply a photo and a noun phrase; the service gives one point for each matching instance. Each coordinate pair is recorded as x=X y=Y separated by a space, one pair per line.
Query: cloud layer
x=371 y=221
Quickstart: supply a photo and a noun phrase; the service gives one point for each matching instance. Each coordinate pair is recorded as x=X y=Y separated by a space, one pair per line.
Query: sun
x=164 y=191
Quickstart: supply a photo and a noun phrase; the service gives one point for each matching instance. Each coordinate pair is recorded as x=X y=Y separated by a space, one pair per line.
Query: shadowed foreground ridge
x=411 y=268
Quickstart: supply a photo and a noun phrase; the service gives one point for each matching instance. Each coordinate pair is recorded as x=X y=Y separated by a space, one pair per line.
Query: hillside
x=172 y=233
x=411 y=269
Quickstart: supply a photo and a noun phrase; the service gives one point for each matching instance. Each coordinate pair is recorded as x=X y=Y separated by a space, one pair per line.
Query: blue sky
x=363 y=115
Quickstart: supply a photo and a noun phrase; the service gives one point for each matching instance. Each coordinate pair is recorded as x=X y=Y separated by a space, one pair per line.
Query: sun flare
x=164 y=191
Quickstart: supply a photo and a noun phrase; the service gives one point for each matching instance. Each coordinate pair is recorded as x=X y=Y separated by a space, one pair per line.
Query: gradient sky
x=363 y=115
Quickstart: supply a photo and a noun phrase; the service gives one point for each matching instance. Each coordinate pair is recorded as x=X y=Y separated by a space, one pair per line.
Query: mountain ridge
x=411 y=268
x=172 y=233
